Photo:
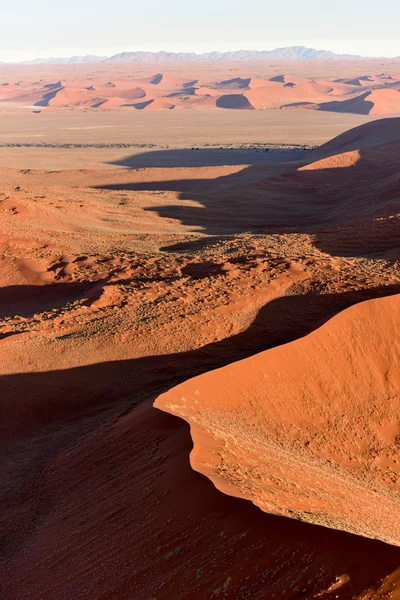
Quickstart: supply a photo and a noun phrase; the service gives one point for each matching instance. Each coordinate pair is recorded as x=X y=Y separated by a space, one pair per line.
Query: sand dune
x=256 y=82
x=298 y=437
x=296 y=93
x=342 y=89
x=67 y=96
x=169 y=82
x=158 y=104
x=207 y=91
x=361 y=81
x=376 y=102
x=127 y=94
x=112 y=102
x=234 y=84
x=275 y=95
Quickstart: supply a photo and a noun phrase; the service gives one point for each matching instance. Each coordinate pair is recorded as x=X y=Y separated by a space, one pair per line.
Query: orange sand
x=308 y=430
x=118 y=285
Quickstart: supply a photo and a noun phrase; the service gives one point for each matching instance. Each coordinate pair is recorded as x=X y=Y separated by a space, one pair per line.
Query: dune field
x=198 y=331
x=366 y=87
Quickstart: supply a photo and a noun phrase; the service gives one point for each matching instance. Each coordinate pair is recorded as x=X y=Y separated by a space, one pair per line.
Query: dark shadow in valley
x=345 y=208
x=27 y=300
x=209 y=157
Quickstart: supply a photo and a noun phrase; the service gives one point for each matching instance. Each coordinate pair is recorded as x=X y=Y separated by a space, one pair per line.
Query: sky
x=47 y=28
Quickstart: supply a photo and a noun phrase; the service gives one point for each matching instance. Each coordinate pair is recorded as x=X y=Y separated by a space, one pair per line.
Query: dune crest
x=309 y=430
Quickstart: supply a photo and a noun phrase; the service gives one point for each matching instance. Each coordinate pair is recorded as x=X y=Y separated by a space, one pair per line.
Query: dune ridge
x=308 y=430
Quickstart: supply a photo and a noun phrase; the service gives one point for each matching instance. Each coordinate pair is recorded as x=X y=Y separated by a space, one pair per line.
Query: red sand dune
x=376 y=102
x=308 y=430
x=362 y=81
x=112 y=102
x=68 y=96
x=342 y=88
x=238 y=83
x=159 y=104
x=201 y=101
x=127 y=94
x=276 y=95
x=256 y=82
x=207 y=91
x=168 y=82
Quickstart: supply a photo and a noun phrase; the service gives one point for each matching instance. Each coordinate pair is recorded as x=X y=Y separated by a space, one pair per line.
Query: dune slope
x=308 y=430
x=364 y=136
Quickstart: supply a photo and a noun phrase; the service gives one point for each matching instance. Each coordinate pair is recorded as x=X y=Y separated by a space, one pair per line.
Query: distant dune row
x=364 y=95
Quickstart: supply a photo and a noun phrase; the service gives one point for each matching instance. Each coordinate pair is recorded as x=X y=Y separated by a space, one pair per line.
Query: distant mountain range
x=287 y=53
x=72 y=60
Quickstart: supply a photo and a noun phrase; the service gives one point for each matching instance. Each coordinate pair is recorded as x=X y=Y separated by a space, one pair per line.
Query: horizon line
x=104 y=58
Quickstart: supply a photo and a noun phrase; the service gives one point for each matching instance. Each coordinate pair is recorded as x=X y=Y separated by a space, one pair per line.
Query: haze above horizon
x=44 y=29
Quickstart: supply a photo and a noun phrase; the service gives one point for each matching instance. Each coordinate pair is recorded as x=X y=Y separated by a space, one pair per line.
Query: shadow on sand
x=322 y=202
x=209 y=157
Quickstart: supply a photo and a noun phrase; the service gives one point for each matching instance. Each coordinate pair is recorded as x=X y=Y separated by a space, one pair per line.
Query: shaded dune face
x=364 y=136
x=235 y=102
x=311 y=429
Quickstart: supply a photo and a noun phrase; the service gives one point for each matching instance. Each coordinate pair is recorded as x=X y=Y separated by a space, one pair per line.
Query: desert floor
x=158 y=130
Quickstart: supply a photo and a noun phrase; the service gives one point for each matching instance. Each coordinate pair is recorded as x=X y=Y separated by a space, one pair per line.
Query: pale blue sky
x=33 y=28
